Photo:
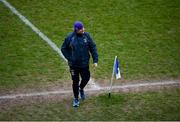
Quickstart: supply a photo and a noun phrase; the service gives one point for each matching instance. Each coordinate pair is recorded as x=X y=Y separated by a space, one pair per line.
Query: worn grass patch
x=157 y=105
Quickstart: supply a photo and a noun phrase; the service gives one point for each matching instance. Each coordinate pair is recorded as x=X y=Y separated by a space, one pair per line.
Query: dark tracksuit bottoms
x=76 y=73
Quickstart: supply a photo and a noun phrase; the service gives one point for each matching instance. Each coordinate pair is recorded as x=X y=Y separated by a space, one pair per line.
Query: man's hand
x=95 y=65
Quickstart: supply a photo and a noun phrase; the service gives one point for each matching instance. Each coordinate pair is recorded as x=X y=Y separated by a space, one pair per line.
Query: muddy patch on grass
x=55 y=93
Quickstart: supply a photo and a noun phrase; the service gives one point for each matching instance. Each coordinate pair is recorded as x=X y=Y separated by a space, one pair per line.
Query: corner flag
x=117 y=69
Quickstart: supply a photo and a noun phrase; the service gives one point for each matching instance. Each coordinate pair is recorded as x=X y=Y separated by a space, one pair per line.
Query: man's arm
x=65 y=49
x=93 y=50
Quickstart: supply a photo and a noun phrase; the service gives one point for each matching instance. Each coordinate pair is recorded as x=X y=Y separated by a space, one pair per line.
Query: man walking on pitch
x=76 y=48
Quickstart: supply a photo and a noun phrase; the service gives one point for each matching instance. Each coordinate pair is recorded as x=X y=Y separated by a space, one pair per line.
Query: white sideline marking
x=34 y=94
x=144 y=84
x=89 y=90
x=37 y=31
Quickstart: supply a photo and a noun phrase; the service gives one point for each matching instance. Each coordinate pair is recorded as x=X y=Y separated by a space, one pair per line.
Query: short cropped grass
x=143 y=34
x=24 y=57
x=154 y=106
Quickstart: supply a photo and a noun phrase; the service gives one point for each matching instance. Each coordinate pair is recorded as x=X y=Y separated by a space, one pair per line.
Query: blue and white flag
x=117 y=69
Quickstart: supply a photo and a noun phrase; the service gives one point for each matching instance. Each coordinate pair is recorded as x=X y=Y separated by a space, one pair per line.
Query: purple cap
x=78 y=25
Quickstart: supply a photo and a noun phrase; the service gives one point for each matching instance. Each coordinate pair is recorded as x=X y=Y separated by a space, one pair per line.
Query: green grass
x=154 y=106
x=25 y=58
x=143 y=34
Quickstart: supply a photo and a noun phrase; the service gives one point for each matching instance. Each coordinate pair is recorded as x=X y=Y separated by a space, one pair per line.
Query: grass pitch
x=163 y=105
x=143 y=34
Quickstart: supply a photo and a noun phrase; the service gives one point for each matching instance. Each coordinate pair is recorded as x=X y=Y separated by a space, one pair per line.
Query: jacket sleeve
x=93 y=49
x=65 y=48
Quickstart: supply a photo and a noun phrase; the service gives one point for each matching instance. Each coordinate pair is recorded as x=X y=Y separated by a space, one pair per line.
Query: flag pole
x=112 y=77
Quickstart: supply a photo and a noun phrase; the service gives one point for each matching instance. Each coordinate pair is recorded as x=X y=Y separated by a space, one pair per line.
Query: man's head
x=79 y=27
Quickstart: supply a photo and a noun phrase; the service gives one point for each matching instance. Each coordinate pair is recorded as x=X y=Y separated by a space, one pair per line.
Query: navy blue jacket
x=77 y=48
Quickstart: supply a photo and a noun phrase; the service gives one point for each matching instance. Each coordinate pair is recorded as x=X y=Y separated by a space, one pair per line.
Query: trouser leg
x=75 y=78
x=85 y=75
